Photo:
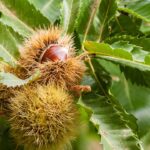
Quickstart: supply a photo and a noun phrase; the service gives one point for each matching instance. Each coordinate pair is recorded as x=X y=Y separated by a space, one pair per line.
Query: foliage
x=115 y=36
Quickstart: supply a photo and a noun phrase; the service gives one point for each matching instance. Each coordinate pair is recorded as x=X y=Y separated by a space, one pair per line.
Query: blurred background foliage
x=116 y=34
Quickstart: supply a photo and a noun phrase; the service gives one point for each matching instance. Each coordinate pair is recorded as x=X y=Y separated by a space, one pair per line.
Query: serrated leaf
x=9 y=19
x=112 y=122
x=49 y=8
x=123 y=45
x=135 y=102
x=134 y=98
x=107 y=10
x=138 y=8
x=8 y=41
x=87 y=20
x=6 y=57
x=120 y=58
x=117 y=128
x=137 y=72
x=125 y=24
x=11 y=80
x=70 y=10
x=25 y=11
x=138 y=54
x=122 y=54
x=106 y=50
x=138 y=41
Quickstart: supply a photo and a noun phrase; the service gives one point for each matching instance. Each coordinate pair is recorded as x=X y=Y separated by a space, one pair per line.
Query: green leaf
x=98 y=48
x=137 y=72
x=134 y=99
x=49 y=8
x=102 y=77
x=118 y=50
x=117 y=128
x=138 y=54
x=125 y=24
x=122 y=54
x=87 y=20
x=6 y=57
x=70 y=12
x=123 y=45
x=25 y=11
x=146 y=141
x=8 y=41
x=94 y=20
x=138 y=41
x=107 y=10
x=138 y=8
x=11 y=80
x=145 y=28
x=147 y=59
x=106 y=50
x=9 y=19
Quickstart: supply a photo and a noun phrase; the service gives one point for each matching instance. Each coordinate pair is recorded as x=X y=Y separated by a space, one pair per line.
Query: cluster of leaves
x=116 y=35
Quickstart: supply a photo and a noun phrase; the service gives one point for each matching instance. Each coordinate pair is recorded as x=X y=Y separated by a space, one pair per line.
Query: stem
x=82 y=56
x=121 y=29
x=103 y=24
x=94 y=74
x=94 y=8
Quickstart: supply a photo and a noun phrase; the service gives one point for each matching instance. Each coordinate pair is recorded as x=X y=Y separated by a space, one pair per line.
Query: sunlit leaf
x=70 y=12
x=137 y=72
x=6 y=57
x=49 y=8
x=11 y=80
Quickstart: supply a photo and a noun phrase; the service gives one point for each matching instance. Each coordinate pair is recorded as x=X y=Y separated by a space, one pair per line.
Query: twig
x=94 y=8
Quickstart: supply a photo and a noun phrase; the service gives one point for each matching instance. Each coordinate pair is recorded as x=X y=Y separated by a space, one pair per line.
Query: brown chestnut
x=55 y=53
